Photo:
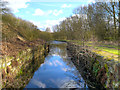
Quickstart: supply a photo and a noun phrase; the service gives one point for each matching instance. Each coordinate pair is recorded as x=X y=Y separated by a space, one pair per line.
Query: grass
x=112 y=46
x=107 y=55
x=108 y=51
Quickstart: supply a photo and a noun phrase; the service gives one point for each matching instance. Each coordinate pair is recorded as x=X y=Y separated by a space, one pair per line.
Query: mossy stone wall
x=18 y=70
x=97 y=71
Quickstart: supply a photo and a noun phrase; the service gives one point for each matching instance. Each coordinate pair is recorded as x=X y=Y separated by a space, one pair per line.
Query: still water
x=57 y=71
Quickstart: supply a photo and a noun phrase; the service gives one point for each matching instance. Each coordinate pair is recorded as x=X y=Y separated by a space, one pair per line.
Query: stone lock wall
x=96 y=71
x=18 y=70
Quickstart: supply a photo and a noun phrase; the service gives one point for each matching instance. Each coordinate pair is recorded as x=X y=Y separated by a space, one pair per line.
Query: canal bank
x=18 y=70
x=96 y=71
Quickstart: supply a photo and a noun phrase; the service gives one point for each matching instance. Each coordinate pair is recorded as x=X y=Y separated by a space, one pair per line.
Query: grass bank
x=107 y=50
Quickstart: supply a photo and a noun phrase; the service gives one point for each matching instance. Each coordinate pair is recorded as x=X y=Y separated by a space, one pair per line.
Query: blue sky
x=44 y=14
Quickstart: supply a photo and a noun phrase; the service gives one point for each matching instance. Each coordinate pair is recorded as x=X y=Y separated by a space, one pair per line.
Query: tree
x=112 y=8
x=48 y=29
x=4 y=8
x=119 y=20
x=99 y=20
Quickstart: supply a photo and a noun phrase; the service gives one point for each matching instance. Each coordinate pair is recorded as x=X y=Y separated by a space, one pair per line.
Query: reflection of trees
x=60 y=49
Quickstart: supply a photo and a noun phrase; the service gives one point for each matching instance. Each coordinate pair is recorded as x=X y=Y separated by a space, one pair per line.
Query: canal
x=57 y=71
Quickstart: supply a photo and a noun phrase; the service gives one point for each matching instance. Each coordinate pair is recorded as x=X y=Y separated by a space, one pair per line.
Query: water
x=57 y=71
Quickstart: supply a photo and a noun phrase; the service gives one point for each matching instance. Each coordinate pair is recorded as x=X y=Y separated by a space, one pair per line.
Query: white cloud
x=38 y=83
x=91 y=1
x=47 y=23
x=50 y=63
x=57 y=12
x=39 y=12
x=66 y=6
x=50 y=23
x=68 y=0
x=49 y=12
x=15 y=5
x=38 y=24
x=84 y=16
x=27 y=12
x=64 y=69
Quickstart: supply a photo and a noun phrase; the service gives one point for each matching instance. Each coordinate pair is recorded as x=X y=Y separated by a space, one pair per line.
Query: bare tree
x=4 y=8
x=48 y=29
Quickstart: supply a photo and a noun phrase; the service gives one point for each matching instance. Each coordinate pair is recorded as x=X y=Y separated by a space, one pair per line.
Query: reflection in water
x=57 y=71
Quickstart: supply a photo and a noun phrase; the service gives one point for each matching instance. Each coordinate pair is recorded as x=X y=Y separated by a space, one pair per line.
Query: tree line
x=96 y=21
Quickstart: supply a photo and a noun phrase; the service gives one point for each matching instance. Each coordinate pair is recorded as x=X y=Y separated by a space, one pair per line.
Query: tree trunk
x=119 y=16
x=113 y=6
x=119 y=23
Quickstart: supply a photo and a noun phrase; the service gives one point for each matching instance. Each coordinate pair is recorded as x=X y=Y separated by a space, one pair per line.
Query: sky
x=45 y=13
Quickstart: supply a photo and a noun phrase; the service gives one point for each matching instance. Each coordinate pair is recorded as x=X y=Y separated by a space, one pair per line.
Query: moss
x=115 y=84
x=20 y=53
x=28 y=49
x=28 y=57
x=11 y=57
x=18 y=59
x=14 y=63
x=21 y=69
x=7 y=58
x=19 y=73
x=106 y=67
x=96 y=68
